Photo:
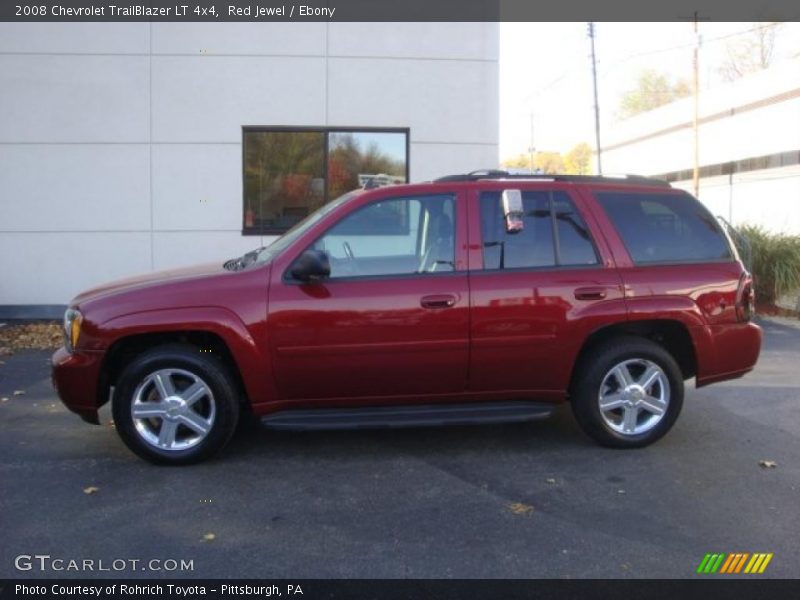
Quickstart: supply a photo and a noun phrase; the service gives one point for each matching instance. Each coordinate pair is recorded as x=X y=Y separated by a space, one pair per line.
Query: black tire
x=589 y=376
x=221 y=406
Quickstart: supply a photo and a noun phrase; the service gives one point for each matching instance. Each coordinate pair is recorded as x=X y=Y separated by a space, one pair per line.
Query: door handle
x=438 y=301
x=590 y=293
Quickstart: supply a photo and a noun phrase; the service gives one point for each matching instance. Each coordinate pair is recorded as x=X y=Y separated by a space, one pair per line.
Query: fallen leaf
x=768 y=464
x=90 y=490
x=518 y=508
x=19 y=392
x=209 y=537
x=44 y=335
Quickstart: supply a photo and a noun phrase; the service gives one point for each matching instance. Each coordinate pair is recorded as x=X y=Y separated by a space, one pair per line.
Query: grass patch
x=775 y=261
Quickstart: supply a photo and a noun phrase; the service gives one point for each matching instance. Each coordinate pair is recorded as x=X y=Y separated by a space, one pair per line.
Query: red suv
x=475 y=298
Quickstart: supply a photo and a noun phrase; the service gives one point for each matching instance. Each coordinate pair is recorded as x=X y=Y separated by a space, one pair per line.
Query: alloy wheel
x=634 y=396
x=173 y=409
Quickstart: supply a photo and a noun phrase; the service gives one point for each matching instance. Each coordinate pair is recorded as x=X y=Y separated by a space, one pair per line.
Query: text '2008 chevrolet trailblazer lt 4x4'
x=475 y=298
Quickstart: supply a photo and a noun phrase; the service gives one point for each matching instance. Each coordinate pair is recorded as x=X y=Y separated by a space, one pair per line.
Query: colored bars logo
x=738 y=562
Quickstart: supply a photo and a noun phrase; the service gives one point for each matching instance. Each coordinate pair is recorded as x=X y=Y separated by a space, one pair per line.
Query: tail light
x=745 y=298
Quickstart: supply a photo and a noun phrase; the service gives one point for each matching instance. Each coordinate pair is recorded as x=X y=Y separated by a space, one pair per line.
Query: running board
x=424 y=415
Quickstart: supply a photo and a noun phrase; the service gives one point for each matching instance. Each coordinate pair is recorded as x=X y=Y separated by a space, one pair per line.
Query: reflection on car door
x=533 y=289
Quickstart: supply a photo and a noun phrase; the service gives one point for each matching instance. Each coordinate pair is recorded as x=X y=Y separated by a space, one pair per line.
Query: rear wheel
x=627 y=393
x=174 y=405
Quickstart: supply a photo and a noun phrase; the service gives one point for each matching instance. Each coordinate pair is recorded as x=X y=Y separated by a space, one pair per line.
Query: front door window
x=396 y=236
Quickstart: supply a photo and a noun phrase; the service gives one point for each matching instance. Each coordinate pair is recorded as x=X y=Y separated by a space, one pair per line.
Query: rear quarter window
x=665 y=228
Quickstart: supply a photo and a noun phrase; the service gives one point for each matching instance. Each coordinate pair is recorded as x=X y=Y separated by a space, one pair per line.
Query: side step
x=422 y=415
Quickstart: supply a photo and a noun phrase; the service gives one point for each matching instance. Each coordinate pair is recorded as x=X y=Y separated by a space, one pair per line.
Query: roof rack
x=500 y=174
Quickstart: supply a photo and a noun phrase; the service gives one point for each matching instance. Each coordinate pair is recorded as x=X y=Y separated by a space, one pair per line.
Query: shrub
x=775 y=261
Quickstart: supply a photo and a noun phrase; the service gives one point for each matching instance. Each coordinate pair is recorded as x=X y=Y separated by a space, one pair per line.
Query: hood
x=148 y=280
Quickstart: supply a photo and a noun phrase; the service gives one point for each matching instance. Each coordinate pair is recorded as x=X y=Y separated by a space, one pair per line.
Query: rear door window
x=665 y=228
x=554 y=234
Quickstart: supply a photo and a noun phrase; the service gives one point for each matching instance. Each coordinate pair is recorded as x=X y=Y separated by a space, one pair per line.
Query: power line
x=617 y=62
x=612 y=64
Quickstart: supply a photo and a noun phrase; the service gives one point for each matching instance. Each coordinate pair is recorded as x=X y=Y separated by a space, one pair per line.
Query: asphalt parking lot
x=515 y=501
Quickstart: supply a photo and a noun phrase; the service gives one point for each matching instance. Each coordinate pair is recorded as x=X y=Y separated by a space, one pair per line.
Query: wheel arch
x=127 y=348
x=216 y=331
x=672 y=335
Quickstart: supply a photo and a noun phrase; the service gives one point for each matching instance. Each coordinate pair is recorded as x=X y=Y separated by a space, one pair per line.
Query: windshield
x=267 y=253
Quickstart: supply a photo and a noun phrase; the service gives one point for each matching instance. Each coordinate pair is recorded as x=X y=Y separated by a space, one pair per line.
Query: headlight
x=72 y=328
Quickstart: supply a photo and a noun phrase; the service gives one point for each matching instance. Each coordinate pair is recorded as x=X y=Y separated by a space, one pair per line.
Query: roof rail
x=484 y=174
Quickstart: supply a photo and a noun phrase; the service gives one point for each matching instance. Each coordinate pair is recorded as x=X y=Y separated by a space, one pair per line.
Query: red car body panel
x=528 y=326
x=383 y=340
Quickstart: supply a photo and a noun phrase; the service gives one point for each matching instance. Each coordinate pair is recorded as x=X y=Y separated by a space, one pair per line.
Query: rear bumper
x=75 y=379
x=736 y=348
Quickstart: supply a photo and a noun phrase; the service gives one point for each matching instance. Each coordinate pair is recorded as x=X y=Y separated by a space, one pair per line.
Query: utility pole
x=532 y=147
x=590 y=29
x=695 y=119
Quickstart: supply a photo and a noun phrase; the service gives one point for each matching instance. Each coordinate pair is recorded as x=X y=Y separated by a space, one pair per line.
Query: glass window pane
x=359 y=244
x=283 y=178
x=531 y=247
x=663 y=228
x=289 y=174
x=365 y=158
x=574 y=242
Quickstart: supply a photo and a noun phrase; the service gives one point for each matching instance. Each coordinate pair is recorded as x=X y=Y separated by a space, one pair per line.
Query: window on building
x=361 y=244
x=554 y=234
x=756 y=163
x=289 y=173
x=665 y=228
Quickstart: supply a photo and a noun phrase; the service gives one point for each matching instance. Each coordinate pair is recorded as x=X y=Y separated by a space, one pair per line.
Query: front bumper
x=75 y=379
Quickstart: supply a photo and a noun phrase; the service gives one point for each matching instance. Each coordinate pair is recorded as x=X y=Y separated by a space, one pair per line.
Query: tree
x=521 y=161
x=578 y=160
x=543 y=162
x=749 y=52
x=549 y=162
x=653 y=89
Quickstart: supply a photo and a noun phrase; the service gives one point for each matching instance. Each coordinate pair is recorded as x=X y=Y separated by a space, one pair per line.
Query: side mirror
x=513 y=211
x=311 y=266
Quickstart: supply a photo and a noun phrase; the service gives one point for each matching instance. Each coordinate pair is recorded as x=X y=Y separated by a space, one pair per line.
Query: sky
x=545 y=73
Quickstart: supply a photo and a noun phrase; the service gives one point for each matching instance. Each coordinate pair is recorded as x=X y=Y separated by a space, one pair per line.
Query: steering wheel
x=348 y=251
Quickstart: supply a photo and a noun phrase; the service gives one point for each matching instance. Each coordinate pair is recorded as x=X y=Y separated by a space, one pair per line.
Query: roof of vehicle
x=497 y=174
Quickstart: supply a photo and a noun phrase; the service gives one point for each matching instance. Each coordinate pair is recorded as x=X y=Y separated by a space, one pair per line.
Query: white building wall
x=770 y=197
x=120 y=144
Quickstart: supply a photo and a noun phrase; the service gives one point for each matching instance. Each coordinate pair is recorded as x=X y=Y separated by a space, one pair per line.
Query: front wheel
x=174 y=405
x=627 y=393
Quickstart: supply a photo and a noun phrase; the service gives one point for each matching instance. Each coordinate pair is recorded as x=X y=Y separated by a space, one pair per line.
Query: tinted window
x=662 y=228
x=369 y=242
x=574 y=242
x=535 y=245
